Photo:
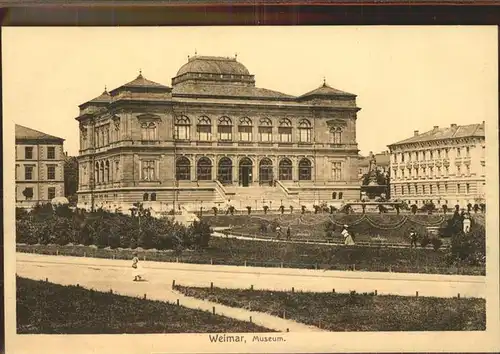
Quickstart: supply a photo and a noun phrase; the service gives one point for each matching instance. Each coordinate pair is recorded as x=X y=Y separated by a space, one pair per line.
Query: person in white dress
x=466 y=224
x=138 y=273
x=348 y=241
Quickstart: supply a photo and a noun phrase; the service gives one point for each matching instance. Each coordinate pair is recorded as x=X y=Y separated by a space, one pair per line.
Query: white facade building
x=443 y=165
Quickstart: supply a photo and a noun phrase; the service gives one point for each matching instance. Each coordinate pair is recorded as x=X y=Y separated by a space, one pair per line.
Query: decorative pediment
x=149 y=117
x=336 y=122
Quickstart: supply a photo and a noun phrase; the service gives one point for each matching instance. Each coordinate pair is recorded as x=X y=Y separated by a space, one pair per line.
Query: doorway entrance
x=245 y=177
x=266 y=172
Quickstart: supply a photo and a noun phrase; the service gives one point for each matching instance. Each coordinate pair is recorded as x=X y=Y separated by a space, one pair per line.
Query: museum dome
x=215 y=69
x=213 y=65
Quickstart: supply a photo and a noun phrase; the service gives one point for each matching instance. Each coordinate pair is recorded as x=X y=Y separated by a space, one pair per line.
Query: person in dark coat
x=413 y=238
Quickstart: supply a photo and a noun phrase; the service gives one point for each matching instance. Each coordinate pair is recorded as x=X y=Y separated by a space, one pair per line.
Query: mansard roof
x=452 y=132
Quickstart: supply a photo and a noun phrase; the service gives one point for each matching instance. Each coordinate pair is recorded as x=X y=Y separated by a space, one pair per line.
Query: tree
x=71 y=178
x=28 y=193
x=249 y=208
x=414 y=209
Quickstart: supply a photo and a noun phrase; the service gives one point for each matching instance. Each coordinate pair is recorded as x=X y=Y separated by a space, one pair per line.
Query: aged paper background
x=295 y=342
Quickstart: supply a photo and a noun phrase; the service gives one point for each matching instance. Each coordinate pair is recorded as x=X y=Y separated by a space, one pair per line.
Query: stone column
x=193 y=169
x=235 y=170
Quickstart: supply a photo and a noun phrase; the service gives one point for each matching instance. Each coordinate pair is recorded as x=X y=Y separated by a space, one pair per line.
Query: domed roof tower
x=209 y=69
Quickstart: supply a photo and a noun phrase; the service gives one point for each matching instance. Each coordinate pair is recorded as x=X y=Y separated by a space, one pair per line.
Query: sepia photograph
x=300 y=188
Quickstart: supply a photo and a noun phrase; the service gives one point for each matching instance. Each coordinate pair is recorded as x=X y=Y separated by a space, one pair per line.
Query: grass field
x=46 y=308
x=356 y=312
x=227 y=251
x=391 y=228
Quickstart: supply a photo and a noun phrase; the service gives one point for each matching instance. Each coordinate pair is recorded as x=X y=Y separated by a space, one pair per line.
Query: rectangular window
x=225 y=132
x=285 y=134
x=423 y=189
x=51 y=193
x=148 y=170
x=458 y=152
x=431 y=154
x=416 y=188
x=204 y=132
x=51 y=172
x=458 y=188
x=265 y=134
x=402 y=157
x=182 y=132
x=402 y=190
x=467 y=151
x=467 y=188
x=305 y=135
x=337 y=171
x=28 y=152
x=430 y=189
x=446 y=188
x=408 y=187
x=28 y=173
x=245 y=132
x=51 y=153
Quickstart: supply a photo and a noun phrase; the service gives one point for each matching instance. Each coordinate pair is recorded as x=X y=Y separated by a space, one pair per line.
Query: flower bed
x=356 y=312
x=46 y=308
x=392 y=228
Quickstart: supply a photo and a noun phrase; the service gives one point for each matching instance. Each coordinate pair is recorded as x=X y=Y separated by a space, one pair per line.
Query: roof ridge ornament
x=140 y=74
x=324 y=81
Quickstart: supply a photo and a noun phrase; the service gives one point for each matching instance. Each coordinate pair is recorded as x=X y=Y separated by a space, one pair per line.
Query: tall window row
x=105 y=171
x=224 y=169
x=245 y=129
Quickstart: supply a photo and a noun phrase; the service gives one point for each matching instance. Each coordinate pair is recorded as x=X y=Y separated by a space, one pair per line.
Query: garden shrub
x=60 y=225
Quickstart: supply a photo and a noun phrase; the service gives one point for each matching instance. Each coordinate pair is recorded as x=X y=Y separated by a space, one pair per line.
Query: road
x=105 y=274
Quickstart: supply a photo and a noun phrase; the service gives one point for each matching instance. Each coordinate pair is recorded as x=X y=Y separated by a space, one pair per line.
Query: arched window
x=96 y=172
x=265 y=130
x=265 y=171
x=153 y=197
x=285 y=130
x=145 y=197
x=225 y=128
x=341 y=195
x=204 y=129
x=182 y=128
x=148 y=131
x=336 y=135
x=204 y=169
x=107 y=173
x=245 y=129
x=101 y=177
x=334 y=195
x=285 y=170
x=225 y=171
x=305 y=130
x=183 y=169
x=305 y=170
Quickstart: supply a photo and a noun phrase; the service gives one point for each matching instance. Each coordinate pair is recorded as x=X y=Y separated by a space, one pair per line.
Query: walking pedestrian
x=137 y=268
x=413 y=238
x=348 y=241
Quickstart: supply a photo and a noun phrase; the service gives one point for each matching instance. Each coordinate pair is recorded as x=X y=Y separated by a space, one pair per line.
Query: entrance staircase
x=257 y=196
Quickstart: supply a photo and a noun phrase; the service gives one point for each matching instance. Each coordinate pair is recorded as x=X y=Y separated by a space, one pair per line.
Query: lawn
x=46 y=308
x=391 y=228
x=356 y=312
x=228 y=251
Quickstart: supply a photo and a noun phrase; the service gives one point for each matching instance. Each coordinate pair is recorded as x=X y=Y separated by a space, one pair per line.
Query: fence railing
x=170 y=256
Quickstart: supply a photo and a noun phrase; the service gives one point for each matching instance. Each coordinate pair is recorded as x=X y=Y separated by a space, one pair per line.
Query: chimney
x=453 y=125
x=436 y=127
x=415 y=132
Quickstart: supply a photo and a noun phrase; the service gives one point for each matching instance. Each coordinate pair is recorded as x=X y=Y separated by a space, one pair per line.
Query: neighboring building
x=39 y=167
x=383 y=163
x=214 y=137
x=444 y=165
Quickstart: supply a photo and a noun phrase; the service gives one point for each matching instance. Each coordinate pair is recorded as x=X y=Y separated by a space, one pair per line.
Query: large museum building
x=214 y=138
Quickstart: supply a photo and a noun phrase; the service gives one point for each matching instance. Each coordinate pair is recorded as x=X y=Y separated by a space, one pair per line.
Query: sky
x=406 y=78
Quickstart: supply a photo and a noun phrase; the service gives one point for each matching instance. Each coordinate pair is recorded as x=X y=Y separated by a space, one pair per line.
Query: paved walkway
x=119 y=279
x=261 y=278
